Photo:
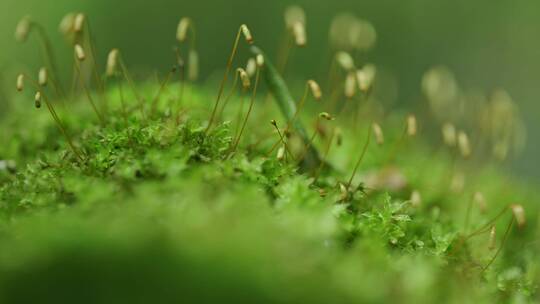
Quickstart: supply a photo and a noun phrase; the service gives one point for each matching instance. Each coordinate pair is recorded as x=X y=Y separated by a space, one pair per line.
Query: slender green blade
x=287 y=105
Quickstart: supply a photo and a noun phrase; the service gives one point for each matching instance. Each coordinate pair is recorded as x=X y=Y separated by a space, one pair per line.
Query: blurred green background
x=487 y=43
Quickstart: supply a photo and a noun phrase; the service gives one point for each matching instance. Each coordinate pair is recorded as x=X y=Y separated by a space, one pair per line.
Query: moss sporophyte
x=195 y=187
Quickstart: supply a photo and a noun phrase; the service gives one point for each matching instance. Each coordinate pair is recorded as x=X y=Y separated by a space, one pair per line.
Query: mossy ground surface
x=159 y=212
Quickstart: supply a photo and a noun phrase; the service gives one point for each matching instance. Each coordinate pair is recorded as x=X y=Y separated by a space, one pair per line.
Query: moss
x=161 y=211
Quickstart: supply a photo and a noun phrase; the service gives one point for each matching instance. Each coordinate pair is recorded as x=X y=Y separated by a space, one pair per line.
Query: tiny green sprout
x=378 y=132
x=492 y=244
x=20 y=82
x=326 y=116
x=79 y=52
x=366 y=77
x=464 y=144
x=449 y=134
x=243 y=30
x=37 y=100
x=412 y=126
x=416 y=199
x=43 y=77
x=23 y=28
x=112 y=63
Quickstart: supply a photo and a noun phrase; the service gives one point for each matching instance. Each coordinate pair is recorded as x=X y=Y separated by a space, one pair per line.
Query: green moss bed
x=159 y=211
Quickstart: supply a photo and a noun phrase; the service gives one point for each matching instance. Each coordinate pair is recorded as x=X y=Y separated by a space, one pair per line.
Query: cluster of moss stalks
x=159 y=208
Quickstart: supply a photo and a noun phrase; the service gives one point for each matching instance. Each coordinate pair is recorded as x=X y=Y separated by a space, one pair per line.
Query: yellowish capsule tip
x=183 y=26
x=112 y=62
x=260 y=60
x=326 y=116
x=23 y=29
x=345 y=60
x=299 y=33
x=519 y=214
x=67 y=24
x=42 y=77
x=251 y=67
x=247 y=33
x=20 y=82
x=315 y=89
x=37 y=100
x=281 y=153
x=79 y=52
x=78 y=23
x=366 y=77
x=244 y=77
